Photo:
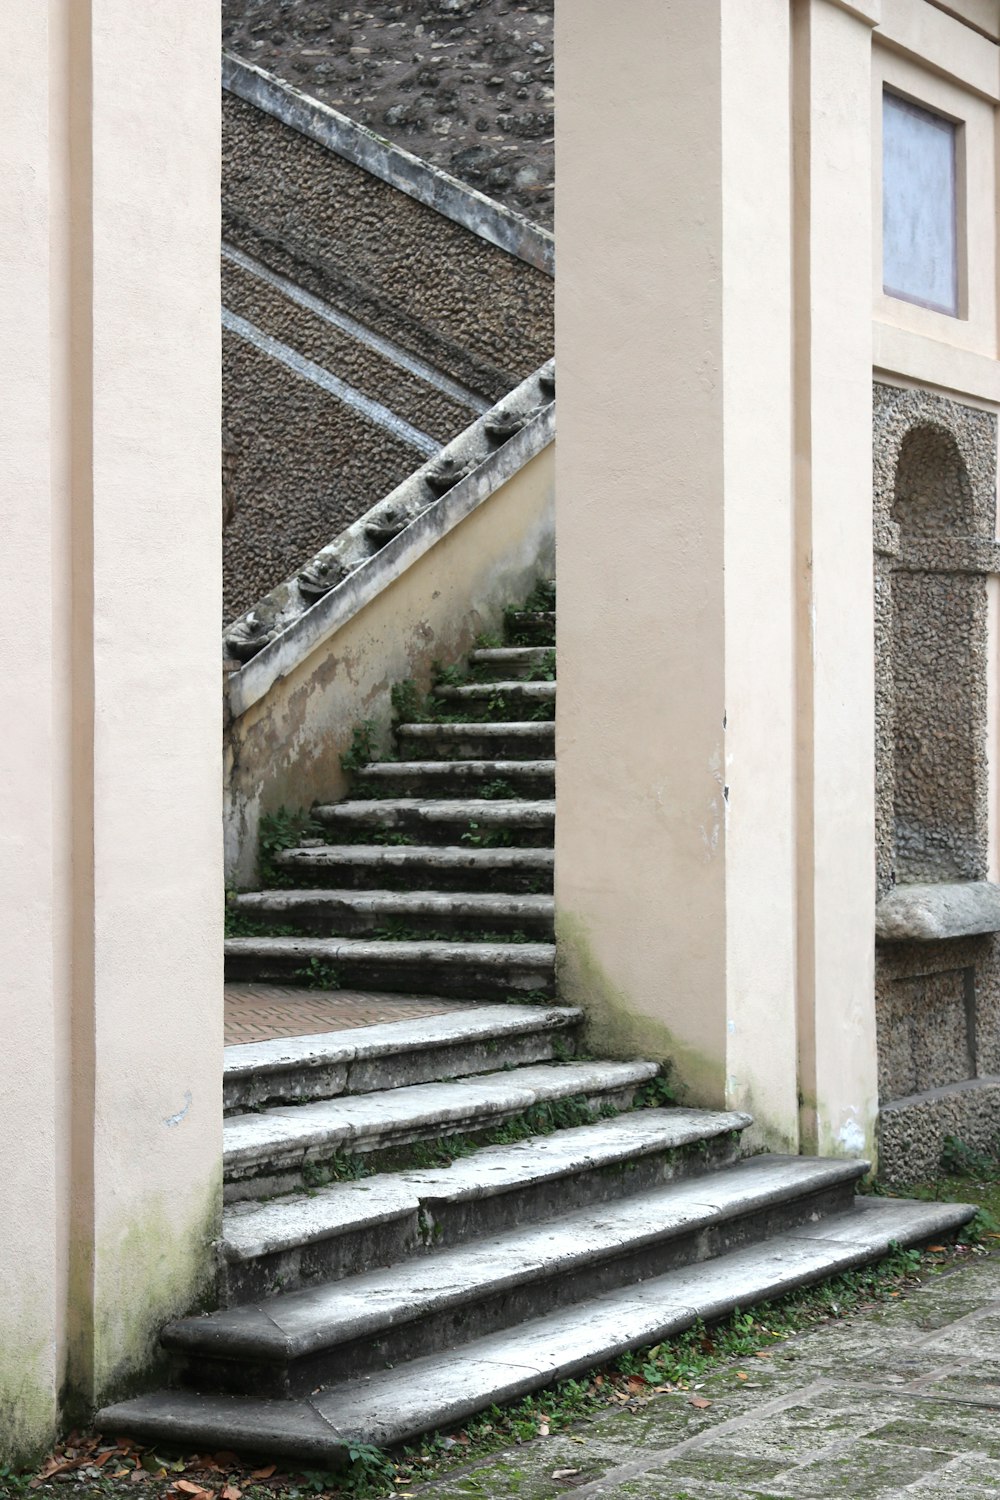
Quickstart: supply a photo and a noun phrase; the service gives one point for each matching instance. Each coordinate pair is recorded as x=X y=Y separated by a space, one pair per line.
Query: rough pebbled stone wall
x=937 y=1004
x=465 y=84
x=300 y=465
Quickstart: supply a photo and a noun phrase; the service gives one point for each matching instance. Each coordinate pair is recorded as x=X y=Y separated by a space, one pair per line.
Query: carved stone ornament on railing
x=248 y=635
x=387 y=522
x=445 y=473
x=481 y=443
x=501 y=425
x=321 y=575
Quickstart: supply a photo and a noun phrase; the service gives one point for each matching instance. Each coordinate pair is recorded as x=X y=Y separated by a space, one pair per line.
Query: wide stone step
x=478 y=822
x=531 y=627
x=500 y=663
x=421 y=867
x=437 y=778
x=395 y=1054
x=498 y=700
x=293 y=1241
x=440 y=1390
x=401 y=914
x=531 y=739
x=293 y=1342
x=492 y=971
x=274 y=1151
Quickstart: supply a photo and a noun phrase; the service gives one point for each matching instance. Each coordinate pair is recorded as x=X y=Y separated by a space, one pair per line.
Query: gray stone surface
x=418 y=866
x=427 y=778
x=793 y=1402
x=420 y=913
x=467 y=86
x=559 y=1255
x=401 y=169
x=452 y=814
x=282 y=1140
x=478 y=1196
x=394 y=1053
x=912 y=1130
x=927 y=913
x=489 y=970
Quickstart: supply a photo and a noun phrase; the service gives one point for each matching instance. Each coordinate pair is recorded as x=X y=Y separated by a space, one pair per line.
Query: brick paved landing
x=258 y=1012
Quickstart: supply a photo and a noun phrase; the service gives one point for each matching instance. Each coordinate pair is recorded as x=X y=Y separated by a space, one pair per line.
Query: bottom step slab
x=442 y=1389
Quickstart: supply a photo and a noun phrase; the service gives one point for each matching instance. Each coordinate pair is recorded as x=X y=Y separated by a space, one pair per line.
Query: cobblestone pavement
x=465 y=84
x=903 y=1400
x=258 y=1012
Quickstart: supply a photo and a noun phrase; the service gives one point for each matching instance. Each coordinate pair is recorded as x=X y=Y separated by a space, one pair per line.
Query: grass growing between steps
x=88 y=1467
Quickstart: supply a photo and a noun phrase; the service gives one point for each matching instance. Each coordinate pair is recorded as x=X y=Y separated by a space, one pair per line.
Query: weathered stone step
x=496 y=701
x=395 y=1054
x=504 y=662
x=492 y=971
x=340 y=1231
x=531 y=626
x=479 y=822
x=293 y=1342
x=417 y=867
x=441 y=1390
x=440 y=778
x=267 y=1153
x=532 y=739
x=395 y=915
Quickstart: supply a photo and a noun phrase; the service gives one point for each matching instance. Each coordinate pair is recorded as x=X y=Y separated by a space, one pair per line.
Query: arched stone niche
x=935 y=510
x=938 y=676
x=937 y=992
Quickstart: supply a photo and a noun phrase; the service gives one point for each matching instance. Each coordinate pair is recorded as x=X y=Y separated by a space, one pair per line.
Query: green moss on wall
x=616 y=1027
x=154 y=1265
x=28 y=1408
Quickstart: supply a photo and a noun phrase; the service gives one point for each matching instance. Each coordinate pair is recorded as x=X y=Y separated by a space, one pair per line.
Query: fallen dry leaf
x=264 y=1473
x=741 y=1374
x=231 y=1492
x=937 y=1249
x=188 y=1487
x=637 y=1383
x=699 y=1402
x=543 y=1430
x=564 y=1473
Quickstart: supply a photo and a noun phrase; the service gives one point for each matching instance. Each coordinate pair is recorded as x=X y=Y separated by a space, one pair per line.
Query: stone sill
x=965 y=1088
x=930 y=913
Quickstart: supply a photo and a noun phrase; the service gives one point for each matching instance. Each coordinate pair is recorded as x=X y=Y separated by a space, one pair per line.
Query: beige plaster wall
x=285 y=749
x=674 y=851
x=111 y=859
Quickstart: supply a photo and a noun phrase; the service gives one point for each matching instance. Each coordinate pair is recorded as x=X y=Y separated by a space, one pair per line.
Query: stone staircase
x=438 y=876
x=426 y=1217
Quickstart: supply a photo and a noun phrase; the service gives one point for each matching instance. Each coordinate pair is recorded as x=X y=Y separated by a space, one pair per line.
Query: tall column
x=150 y=1010
x=675 y=830
x=110 y=860
x=31 y=1068
x=836 y=747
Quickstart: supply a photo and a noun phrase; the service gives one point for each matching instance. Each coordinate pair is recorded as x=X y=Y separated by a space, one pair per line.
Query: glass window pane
x=919 y=240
